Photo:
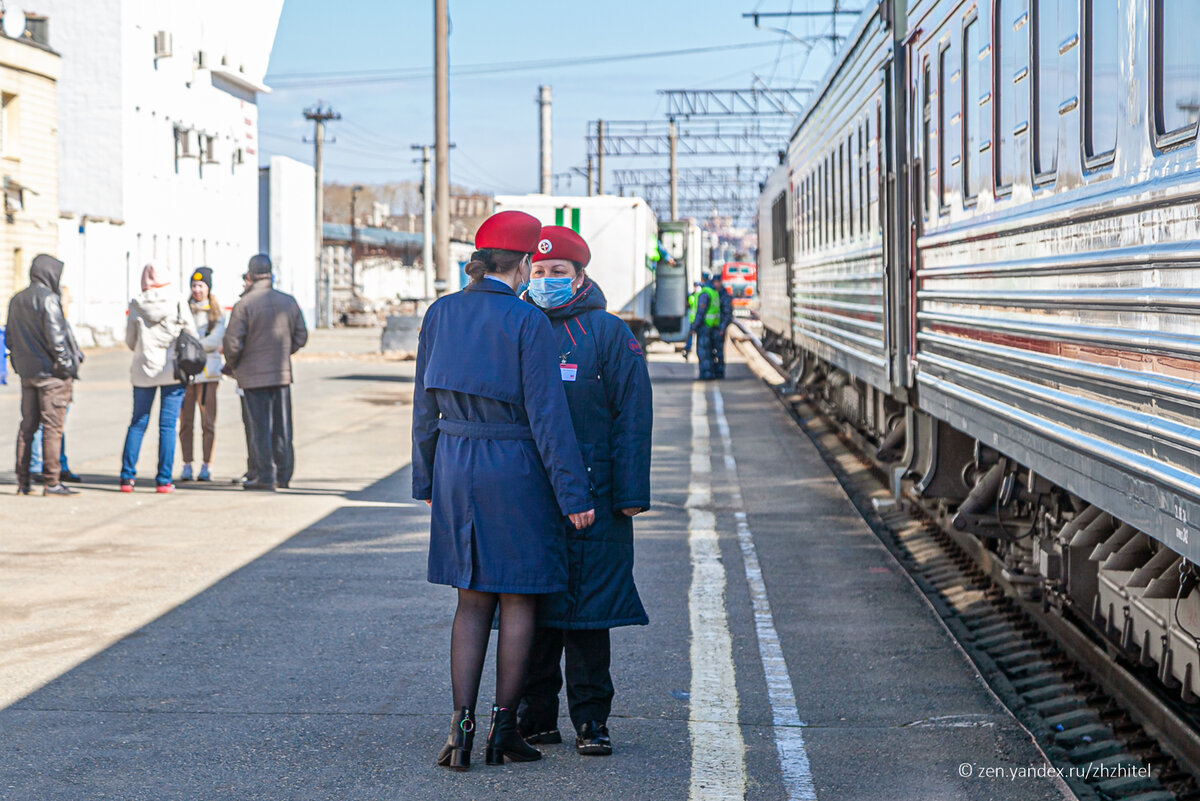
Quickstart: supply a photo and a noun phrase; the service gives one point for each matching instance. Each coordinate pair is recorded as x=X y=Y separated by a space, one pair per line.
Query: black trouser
x=705 y=351
x=43 y=403
x=269 y=410
x=718 y=351
x=589 y=683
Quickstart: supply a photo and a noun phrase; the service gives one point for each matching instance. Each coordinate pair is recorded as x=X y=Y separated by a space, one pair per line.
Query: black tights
x=469 y=643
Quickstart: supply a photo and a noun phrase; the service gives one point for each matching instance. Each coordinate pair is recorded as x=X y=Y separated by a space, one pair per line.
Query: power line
x=287 y=80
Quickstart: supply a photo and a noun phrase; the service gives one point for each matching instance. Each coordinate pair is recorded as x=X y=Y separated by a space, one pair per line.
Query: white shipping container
x=621 y=232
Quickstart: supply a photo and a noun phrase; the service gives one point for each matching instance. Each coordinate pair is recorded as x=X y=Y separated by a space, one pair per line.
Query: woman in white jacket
x=156 y=317
x=210 y=322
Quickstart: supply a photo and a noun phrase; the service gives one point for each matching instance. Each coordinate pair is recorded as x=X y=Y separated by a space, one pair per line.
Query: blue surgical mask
x=550 y=292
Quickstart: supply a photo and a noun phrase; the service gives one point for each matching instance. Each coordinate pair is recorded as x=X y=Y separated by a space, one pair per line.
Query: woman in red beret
x=604 y=373
x=495 y=457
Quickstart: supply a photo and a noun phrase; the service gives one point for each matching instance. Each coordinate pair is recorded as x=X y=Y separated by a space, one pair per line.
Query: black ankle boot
x=505 y=741
x=456 y=753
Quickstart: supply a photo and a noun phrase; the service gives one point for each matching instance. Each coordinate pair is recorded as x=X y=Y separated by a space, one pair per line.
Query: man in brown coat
x=265 y=329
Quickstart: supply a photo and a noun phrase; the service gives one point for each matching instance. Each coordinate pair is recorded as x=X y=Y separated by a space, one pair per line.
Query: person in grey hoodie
x=156 y=318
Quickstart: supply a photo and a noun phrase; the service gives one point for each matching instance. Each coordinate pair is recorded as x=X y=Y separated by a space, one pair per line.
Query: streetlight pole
x=353 y=237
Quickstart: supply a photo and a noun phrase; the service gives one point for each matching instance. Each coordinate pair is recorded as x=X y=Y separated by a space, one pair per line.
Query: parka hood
x=46 y=271
x=155 y=305
x=587 y=298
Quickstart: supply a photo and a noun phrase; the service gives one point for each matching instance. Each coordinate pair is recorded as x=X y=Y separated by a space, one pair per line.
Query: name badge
x=568 y=371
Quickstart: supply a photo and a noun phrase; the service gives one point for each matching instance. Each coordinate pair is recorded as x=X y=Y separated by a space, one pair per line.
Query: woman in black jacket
x=604 y=373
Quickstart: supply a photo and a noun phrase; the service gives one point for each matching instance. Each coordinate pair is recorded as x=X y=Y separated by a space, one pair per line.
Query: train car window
x=779 y=229
x=926 y=136
x=862 y=180
x=972 y=91
x=826 y=205
x=851 y=187
x=1176 y=60
x=1051 y=23
x=843 y=193
x=877 y=184
x=1011 y=62
x=1101 y=92
x=943 y=131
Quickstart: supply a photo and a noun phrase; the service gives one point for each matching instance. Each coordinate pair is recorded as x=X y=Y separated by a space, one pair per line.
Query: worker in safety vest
x=704 y=319
x=726 y=317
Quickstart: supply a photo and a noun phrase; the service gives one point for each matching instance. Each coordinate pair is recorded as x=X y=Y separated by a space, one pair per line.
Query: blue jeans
x=168 y=416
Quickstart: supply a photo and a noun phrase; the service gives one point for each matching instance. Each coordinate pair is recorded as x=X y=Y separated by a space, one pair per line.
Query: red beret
x=560 y=242
x=509 y=230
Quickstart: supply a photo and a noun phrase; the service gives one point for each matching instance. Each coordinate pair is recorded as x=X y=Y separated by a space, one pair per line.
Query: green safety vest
x=712 y=317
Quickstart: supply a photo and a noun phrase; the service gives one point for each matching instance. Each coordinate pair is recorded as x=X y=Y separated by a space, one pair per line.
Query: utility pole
x=426 y=223
x=354 y=190
x=320 y=115
x=673 y=137
x=546 y=138
x=599 y=157
x=589 y=176
x=441 y=105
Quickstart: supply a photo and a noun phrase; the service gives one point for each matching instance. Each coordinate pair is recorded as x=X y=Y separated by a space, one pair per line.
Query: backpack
x=190 y=357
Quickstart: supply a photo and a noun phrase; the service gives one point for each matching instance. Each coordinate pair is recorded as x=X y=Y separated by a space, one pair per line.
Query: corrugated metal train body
x=1054 y=320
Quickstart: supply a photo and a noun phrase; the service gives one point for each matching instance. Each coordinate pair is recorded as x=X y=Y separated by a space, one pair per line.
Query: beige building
x=28 y=159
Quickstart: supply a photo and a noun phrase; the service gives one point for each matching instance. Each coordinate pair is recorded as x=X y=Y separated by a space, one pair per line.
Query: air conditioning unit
x=162 y=44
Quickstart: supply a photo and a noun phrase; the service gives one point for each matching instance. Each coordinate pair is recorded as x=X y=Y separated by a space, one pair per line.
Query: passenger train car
x=982 y=249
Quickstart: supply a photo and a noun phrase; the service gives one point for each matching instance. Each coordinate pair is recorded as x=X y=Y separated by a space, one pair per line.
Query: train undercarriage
x=1127 y=590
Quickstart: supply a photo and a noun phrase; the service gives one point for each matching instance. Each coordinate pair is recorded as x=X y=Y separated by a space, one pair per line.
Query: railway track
x=1109 y=733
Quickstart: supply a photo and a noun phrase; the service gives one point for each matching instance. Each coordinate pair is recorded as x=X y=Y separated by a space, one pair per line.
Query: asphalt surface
x=215 y=644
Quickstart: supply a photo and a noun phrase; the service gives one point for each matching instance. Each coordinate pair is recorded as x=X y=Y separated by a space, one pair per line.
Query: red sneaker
x=163 y=489
x=127 y=485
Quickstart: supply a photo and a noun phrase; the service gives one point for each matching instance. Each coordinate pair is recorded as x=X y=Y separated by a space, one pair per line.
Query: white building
x=287 y=229
x=158 y=140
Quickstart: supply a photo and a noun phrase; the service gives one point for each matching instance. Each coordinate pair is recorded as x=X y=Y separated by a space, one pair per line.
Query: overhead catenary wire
x=303 y=79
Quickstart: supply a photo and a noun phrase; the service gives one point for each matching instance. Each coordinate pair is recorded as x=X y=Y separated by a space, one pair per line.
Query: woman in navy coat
x=495 y=457
x=603 y=370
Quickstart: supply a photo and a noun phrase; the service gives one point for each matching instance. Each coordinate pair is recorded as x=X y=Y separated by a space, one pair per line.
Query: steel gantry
x=703 y=138
x=757 y=101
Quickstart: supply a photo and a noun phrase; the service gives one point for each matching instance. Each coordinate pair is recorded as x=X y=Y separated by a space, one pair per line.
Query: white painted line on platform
x=718 y=751
x=789 y=733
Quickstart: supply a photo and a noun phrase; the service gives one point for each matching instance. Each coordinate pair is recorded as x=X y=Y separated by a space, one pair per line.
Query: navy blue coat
x=612 y=412
x=492 y=444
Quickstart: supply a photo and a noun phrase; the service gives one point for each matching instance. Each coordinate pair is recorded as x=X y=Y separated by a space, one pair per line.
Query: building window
x=1101 y=92
x=1012 y=69
x=183 y=144
x=1051 y=23
x=9 y=126
x=1176 y=60
x=972 y=95
x=208 y=145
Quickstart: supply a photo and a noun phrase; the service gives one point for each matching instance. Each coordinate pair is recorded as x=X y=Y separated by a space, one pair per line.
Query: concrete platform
x=214 y=644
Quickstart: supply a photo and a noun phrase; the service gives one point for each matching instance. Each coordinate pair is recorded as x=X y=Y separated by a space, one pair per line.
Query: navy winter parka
x=608 y=390
x=492 y=444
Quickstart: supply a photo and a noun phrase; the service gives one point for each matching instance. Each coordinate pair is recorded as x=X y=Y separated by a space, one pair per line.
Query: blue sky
x=493 y=119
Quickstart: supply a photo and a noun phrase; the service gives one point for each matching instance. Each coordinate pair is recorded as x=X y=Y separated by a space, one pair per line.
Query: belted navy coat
x=493 y=446
x=612 y=412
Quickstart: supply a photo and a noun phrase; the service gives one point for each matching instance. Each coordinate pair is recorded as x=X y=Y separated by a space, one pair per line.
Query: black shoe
x=23 y=490
x=282 y=485
x=59 y=491
x=67 y=475
x=505 y=741
x=593 y=740
x=258 y=486
x=544 y=737
x=456 y=753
